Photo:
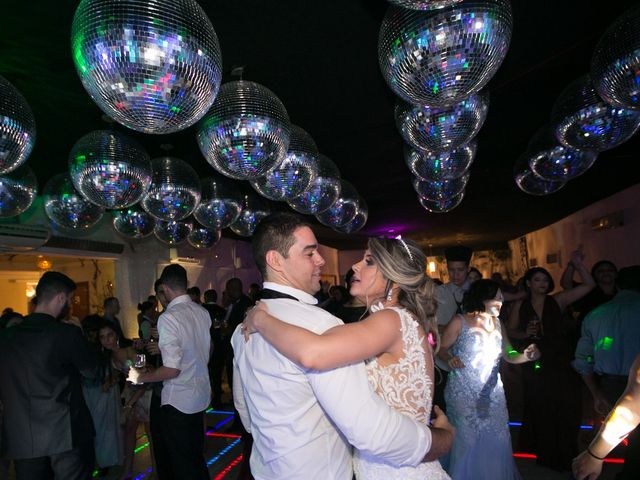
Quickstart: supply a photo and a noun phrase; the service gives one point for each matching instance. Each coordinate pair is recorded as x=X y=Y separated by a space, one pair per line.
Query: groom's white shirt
x=303 y=421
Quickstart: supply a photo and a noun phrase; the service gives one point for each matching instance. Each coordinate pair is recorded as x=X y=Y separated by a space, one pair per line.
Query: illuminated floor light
x=223 y=452
x=531 y=456
x=519 y=424
x=213 y=433
x=223 y=422
x=228 y=468
x=211 y=411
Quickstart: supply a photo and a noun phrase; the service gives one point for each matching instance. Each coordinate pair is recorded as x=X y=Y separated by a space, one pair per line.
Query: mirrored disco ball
x=358 y=221
x=441 y=129
x=615 y=65
x=441 y=57
x=18 y=190
x=583 y=121
x=424 y=4
x=246 y=133
x=344 y=209
x=17 y=128
x=440 y=166
x=153 y=66
x=441 y=206
x=65 y=207
x=322 y=192
x=296 y=172
x=530 y=183
x=441 y=189
x=254 y=209
x=202 y=238
x=220 y=204
x=110 y=169
x=173 y=232
x=175 y=189
x=133 y=222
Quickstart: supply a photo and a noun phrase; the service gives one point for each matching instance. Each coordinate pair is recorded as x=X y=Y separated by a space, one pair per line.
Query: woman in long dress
x=392 y=282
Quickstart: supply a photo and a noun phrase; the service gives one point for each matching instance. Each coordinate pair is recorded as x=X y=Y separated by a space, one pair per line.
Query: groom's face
x=303 y=265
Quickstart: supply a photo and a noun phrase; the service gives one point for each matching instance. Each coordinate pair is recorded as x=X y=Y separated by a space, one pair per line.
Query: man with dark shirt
x=216 y=362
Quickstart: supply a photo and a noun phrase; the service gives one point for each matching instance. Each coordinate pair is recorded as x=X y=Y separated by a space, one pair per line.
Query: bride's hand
x=251 y=323
x=532 y=352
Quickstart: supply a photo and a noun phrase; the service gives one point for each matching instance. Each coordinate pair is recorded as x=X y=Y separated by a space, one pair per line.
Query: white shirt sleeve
x=238 y=392
x=169 y=341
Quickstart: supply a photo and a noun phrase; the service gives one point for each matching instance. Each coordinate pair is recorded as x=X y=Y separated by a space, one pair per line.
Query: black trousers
x=164 y=470
x=216 y=365
x=74 y=464
x=183 y=436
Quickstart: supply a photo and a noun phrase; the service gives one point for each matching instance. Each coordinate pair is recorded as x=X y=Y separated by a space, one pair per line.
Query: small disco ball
x=344 y=209
x=440 y=190
x=441 y=206
x=441 y=129
x=296 y=172
x=202 y=238
x=424 y=4
x=530 y=183
x=254 y=209
x=133 y=222
x=17 y=128
x=110 y=169
x=322 y=192
x=173 y=232
x=220 y=204
x=583 y=121
x=65 y=207
x=615 y=65
x=154 y=67
x=441 y=57
x=358 y=221
x=441 y=166
x=246 y=133
x=175 y=189
x=18 y=190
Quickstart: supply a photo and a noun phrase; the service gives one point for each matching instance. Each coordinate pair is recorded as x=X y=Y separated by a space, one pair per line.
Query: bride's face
x=367 y=283
x=493 y=306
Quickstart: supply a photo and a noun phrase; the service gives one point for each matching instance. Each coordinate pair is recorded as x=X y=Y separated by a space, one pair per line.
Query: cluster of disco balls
x=596 y=112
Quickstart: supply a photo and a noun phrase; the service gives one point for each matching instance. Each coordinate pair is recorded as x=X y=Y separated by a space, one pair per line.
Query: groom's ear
x=274 y=260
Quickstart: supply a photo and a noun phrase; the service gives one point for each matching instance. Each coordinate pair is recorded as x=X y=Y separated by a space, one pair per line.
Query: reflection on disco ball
x=322 y=192
x=441 y=57
x=202 y=238
x=154 y=67
x=344 y=209
x=441 y=206
x=246 y=132
x=17 y=128
x=175 y=189
x=441 y=129
x=173 y=232
x=110 y=169
x=358 y=220
x=583 y=121
x=133 y=222
x=294 y=175
x=66 y=207
x=220 y=204
x=18 y=189
x=424 y=4
x=441 y=189
x=254 y=209
x=440 y=166
x=615 y=66
x=531 y=183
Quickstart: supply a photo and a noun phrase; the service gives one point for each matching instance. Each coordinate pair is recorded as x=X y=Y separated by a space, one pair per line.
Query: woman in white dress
x=396 y=340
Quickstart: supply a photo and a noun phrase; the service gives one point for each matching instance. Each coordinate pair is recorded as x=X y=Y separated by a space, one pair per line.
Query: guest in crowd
x=353 y=309
x=218 y=348
x=111 y=307
x=473 y=275
x=338 y=296
x=254 y=292
x=194 y=293
x=146 y=320
x=238 y=303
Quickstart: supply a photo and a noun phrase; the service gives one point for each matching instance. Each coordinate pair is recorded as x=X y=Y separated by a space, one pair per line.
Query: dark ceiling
x=320 y=58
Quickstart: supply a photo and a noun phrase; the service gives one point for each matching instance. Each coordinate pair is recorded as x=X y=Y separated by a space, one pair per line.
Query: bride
x=397 y=340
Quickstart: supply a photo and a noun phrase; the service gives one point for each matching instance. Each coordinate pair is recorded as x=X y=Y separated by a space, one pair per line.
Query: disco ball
x=615 y=65
x=441 y=206
x=583 y=121
x=246 y=133
x=110 y=169
x=254 y=209
x=441 y=129
x=220 y=204
x=358 y=220
x=441 y=57
x=344 y=209
x=18 y=190
x=17 y=128
x=202 y=238
x=424 y=4
x=65 y=207
x=175 y=189
x=173 y=232
x=440 y=166
x=133 y=222
x=530 y=183
x=294 y=175
x=441 y=189
x=154 y=66
x=322 y=192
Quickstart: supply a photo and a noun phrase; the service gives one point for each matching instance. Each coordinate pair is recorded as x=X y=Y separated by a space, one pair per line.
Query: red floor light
x=531 y=456
x=228 y=468
x=212 y=433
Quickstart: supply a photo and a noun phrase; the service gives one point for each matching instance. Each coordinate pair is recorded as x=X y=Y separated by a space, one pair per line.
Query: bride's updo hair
x=403 y=262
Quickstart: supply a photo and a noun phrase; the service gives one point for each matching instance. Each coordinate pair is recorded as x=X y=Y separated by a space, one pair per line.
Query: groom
x=303 y=421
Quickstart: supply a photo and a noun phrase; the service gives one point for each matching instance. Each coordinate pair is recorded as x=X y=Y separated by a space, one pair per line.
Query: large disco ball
x=441 y=129
x=441 y=189
x=424 y=4
x=440 y=166
x=17 y=128
x=66 y=207
x=530 y=183
x=220 y=204
x=153 y=66
x=358 y=221
x=133 y=222
x=441 y=57
x=246 y=132
x=443 y=205
x=175 y=189
x=18 y=190
x=110 y=169
x=202 y=238
x=323 y=191
x=254 y=209
x=344 y=209
x=583 y=121
x=615 y=65
x=296 y=172
x=173 y=232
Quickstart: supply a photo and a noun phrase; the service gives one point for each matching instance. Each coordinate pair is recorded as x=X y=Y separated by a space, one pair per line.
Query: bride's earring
x=389 y=294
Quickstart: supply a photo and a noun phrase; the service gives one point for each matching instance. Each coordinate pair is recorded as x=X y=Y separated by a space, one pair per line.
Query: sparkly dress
x=406 y=387
x=477 y=408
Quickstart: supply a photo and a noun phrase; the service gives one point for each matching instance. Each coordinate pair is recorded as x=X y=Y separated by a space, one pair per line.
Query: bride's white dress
x=407 y=388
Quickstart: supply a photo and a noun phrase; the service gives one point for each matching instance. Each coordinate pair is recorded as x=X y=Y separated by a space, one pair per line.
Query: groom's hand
x=442 y=433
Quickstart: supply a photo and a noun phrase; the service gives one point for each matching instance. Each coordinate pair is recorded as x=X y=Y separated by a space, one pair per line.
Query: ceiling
x=320 y=58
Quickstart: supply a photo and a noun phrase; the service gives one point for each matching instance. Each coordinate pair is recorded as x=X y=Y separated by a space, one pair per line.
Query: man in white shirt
x=303 y=421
